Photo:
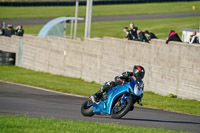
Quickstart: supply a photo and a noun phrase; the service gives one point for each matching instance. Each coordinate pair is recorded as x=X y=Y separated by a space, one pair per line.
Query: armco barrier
x=172 y=68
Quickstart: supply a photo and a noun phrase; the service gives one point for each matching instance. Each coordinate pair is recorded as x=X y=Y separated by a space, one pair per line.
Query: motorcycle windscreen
x=137 y=90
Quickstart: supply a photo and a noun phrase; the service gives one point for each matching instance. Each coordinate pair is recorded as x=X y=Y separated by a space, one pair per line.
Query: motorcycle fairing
x=104 y=107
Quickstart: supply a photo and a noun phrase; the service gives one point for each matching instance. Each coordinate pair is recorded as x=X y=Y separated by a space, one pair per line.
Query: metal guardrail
x=72 y=2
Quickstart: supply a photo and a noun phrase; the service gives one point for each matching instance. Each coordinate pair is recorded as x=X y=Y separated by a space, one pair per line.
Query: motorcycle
x=117 y=102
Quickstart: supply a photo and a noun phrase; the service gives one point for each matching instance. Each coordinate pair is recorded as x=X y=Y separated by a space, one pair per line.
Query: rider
x=137 y=74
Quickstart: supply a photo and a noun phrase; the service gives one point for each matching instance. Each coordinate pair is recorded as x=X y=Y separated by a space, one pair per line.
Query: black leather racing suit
x=124 y=78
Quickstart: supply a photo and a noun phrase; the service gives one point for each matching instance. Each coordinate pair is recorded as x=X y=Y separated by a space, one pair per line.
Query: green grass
x=49 y=81
x=156 y=101
x=21 y=124
x=33 y=29
x=99 y=10
x=78 y=86
x=160 y=27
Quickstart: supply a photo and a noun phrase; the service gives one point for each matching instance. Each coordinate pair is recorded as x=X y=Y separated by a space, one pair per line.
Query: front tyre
x=87 y=109
x=121 y=109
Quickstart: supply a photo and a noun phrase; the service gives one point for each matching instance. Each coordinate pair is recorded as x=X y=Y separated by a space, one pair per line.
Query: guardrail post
x=88 y=19
x=71 y=32
x=76 y=18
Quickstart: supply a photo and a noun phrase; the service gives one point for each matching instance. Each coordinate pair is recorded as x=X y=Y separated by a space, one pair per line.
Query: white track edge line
x=39 y=88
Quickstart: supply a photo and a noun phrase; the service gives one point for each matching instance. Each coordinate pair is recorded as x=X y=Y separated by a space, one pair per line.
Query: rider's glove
x=119 y=81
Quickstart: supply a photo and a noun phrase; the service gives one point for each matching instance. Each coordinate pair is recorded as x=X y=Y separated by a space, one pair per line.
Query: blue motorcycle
x=117 y=102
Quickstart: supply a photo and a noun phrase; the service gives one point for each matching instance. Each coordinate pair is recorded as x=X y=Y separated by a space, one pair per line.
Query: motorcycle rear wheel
x=117 y=115
x=87 y=109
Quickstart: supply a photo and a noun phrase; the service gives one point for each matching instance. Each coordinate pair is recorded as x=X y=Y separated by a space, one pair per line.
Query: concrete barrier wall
x=172 y=68
x=10 y=45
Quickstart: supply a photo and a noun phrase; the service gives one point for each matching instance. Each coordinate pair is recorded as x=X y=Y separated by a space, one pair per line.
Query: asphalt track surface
x=35 y=102
x=41 y=21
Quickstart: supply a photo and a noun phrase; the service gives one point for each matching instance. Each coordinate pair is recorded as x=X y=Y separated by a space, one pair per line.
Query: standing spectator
x=141 y=36
x=133 y=31
x=128 y=36
x=194 y=38
x=9 y=31
x=1 y=31
x=19 y=31
x=150 y=35
x=173 y=36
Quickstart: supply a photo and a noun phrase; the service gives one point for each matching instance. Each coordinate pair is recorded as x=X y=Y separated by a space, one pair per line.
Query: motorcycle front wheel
x=87 y=109
x=121 y=109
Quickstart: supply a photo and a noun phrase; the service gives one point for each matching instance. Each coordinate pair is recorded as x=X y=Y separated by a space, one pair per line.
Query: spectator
x=150 y=35
x=141 y=36
x=19 y=31
x=1 y=31
x=133 y=31
x=128 y=35
x=9 y=31
x=173 y=36
x=194 y=38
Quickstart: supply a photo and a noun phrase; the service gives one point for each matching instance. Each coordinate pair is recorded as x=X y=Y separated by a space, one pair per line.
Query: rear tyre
x=87 y=109
x=119 y=110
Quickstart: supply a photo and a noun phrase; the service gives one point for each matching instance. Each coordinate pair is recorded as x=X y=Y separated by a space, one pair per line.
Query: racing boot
x=96 y=97
x=93 y=99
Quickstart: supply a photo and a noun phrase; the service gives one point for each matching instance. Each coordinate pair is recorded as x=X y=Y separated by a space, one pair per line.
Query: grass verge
x=160 y=27
x=99 y=10
x=78 y=86
x=21 y=124
x=47 y=80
